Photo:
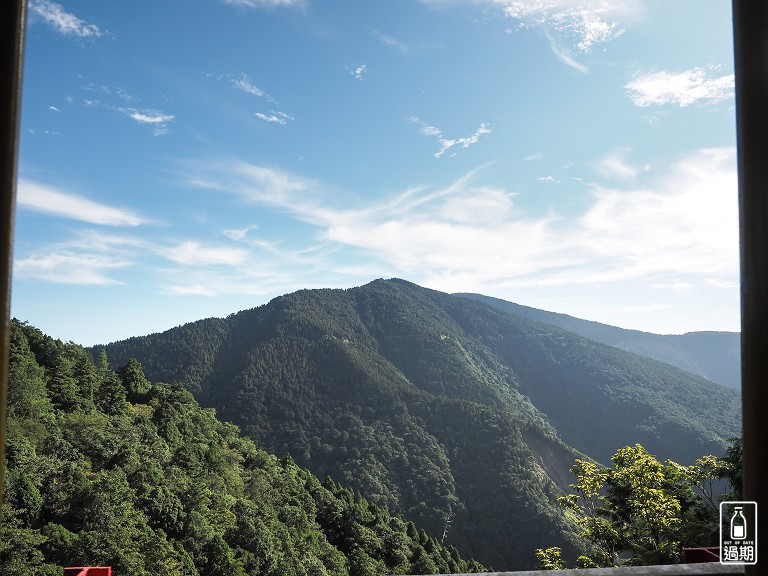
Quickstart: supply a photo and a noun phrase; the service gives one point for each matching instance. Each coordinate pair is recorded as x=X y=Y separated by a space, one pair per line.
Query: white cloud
x=62 y=21
x=66 y=267
x=359 y=71
x=585 y=22
x=478 y=204
x=147 y=116
x=262 y=3
x=615 y=166
x=243 y=83
x=682 y=229
x=194 y=253
x=255 y=184
x=158 y=120
x=272 y=118
x=48 y=200
x=534 y=156
x=391 y=42
x=680 y=88
x=275 y=117
x=53 y=109
x=564 y=55
x=448 y=143
x=688 y=223
x=239 y=234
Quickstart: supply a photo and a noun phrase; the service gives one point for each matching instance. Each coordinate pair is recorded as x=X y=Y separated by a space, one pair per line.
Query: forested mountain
x=461 y=417
x=714 y=355
x=104 y=468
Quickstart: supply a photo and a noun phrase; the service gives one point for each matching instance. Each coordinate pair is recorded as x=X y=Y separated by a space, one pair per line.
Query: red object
x=89 y=571
x=697 y=555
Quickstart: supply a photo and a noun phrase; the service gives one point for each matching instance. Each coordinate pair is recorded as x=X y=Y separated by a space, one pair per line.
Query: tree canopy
x=106 y=468
x=640 y=510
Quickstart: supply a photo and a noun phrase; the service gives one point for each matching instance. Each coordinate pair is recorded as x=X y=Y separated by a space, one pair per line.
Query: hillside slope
x=457 y=415
x=104 y=468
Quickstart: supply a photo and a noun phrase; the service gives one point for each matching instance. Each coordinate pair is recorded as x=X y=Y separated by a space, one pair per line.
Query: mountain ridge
x=446 y=410
x=716 y=355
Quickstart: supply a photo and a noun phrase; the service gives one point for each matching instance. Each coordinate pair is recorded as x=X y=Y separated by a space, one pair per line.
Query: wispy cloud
x=686 y=224
x=243 y=83
x=391 y=42
x=677 y=233
x=49 y=200
x=681 y=229
x=158 y=120
x=90 y=257
x=583 y=23
x=259 y=185
x=192 y=252
x=62 y=21
x=615 y=165
x=698 y=85
x=239 y=234
x=147 y=116
x=448 y=143
x=564 y=55
x=263 y=3
x=67 y=267
x=274 y=117
x=105 y=90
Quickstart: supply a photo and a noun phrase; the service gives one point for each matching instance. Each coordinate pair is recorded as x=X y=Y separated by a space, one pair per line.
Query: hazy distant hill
x=714 y=355
x=449 y=411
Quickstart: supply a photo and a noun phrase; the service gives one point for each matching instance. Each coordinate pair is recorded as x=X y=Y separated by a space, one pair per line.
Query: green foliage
x=132 y=377
x=550 y=558
x=639 y=511
x=161 y=486
x=732 y=468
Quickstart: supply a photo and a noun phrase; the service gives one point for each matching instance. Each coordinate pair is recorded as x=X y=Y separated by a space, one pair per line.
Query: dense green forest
x=459 y=416
x=106 y=468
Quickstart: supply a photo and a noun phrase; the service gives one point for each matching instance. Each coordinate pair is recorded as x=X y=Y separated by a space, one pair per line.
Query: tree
x=111 y=397
x=62 y=386
x=639 y=511
x=550 y=559
x=732 y=471
x=133 y=379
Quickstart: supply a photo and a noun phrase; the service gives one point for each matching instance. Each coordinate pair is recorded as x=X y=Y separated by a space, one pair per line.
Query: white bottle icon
x=738 y=525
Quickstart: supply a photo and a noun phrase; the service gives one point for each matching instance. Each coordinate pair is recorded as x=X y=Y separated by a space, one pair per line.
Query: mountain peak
x=428 y=402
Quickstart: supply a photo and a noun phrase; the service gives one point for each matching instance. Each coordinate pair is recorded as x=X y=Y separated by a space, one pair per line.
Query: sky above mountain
x=181 y=160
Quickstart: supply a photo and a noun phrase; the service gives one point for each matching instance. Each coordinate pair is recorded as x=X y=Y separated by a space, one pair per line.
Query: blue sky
x=181 y=160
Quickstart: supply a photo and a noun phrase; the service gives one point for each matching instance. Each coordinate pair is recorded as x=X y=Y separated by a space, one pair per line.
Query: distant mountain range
x=455 y=413
x=714 y=355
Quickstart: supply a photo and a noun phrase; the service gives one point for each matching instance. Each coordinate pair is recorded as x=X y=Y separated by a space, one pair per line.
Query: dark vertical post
x=12 y=20
x=750 y=27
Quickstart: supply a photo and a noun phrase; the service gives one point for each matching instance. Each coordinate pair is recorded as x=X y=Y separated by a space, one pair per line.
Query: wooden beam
x=12 y=26
x=750 y=37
